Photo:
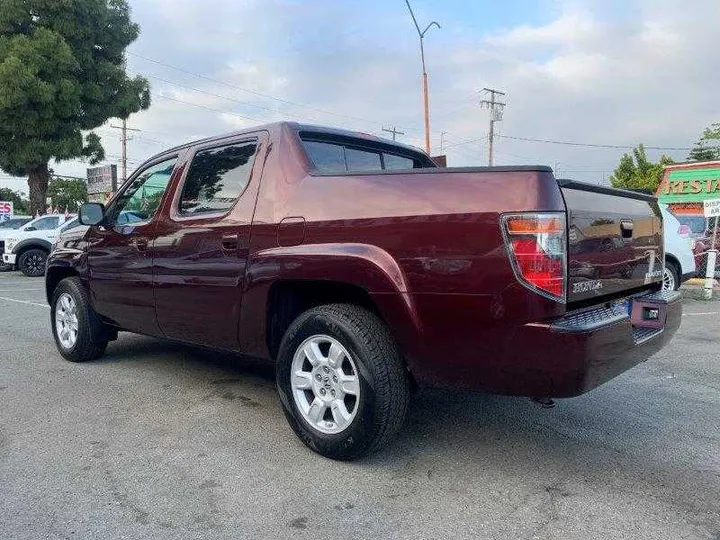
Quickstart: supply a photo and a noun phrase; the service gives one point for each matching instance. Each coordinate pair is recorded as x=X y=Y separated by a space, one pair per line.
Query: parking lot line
x=24 y=302
x=703 y=313
x=18 y=290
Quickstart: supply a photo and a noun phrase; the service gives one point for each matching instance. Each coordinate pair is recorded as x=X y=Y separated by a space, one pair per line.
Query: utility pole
x=426 y=105
x=394 y=132
x=124 y=138
x=442 y=141
x=496 y=111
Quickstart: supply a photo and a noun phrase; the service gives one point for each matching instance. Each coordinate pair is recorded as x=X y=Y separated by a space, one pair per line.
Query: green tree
x=704 y=150
x=62 y=73
x=65 y=193
x=20 y=203
x=637 y=172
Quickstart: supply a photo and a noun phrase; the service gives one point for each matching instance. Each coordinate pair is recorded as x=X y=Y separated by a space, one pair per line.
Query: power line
x=164 y=96
x=260 y=94
x=246 y=103
x=590 y=145
x=464 y=142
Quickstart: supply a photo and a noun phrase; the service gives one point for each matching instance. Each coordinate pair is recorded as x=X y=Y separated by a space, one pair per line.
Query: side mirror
x=91 y=214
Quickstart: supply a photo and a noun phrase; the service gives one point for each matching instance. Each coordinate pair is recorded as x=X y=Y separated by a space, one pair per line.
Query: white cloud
x=642 y=71
x=572 y=27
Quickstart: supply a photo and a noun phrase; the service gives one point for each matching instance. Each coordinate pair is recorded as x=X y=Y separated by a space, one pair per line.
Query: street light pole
x=426 y=105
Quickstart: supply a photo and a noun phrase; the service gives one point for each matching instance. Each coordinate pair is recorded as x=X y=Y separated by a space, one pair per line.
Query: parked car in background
x=6 y=228
x=679 y=256
x=362 y=270
x=28 y=247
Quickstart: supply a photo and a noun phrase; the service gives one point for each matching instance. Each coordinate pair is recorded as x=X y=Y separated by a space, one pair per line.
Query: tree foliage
x=20 y=204
x=62 y=73
x=637 y=172
x=704 y=149
x=66 y=193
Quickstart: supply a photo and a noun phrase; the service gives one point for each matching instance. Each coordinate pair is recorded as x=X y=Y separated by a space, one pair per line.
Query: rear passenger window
x=325 y=156
x=362 y=160
x=351 y=155
x=216 y=179
x=394 y=163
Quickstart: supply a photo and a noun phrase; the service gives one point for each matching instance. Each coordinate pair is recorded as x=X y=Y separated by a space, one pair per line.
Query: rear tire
x=75 y=323
x=671 y=277
x=369 y=377
x=32 y=262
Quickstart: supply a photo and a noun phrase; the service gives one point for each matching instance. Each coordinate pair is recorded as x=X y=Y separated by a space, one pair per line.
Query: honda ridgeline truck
x=362 y=271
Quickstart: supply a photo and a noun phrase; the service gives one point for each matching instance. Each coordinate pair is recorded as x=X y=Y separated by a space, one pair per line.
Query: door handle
x=230 y=242
x=140 y=243
x=626 y=228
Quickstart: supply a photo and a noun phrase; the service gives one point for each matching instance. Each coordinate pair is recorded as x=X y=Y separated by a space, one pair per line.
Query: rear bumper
x=561 y=356
x=583 y=350
x=9 y=258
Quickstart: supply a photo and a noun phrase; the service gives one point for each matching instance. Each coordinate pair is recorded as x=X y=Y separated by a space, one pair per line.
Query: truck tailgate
x=615 y=241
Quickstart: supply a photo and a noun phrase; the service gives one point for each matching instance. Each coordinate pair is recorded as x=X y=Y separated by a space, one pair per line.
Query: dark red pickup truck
x=362 y=271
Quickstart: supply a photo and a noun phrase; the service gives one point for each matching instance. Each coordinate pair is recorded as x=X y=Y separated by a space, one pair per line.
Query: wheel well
x=288 y=299
x=672 y=260
x=23 y=249
x=54 y=276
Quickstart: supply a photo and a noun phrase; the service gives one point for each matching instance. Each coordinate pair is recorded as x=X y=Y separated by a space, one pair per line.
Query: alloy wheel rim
x=668 y=280
x=66 y=321
x=35 y=263
x=325 y=384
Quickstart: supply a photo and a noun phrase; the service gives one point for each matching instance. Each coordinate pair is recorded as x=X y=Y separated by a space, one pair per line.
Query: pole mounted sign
x=6 y=210
x=711 y=208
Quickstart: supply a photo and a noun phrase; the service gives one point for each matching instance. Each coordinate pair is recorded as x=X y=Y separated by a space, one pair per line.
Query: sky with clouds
x=603 y=72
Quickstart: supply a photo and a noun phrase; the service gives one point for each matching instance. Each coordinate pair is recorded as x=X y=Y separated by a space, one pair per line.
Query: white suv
x=679 y=257
x=28 y=247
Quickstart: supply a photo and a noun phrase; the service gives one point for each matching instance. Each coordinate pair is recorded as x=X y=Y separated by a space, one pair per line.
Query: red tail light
x=536 y=244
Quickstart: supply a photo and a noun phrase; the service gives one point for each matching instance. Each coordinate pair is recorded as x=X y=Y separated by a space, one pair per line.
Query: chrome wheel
x=325 y=384
x=66 y=321
x=668 y=280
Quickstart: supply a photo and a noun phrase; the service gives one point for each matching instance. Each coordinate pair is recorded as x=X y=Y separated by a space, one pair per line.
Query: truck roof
x=296 y=126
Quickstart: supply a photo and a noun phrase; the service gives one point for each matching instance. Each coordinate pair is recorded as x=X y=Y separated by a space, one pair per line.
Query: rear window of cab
x=343 y=155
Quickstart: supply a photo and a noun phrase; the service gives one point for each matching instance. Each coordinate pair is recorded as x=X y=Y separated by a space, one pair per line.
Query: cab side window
x=217 y=178
x=47 y=223
x=141 y=199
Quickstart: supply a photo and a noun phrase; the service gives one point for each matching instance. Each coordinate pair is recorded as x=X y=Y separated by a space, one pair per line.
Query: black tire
x=383 y=380
x=672 y=268
x=89 y=344
x=32 y=262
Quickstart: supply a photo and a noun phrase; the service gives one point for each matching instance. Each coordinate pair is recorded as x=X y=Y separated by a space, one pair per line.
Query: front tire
x=342 y=382
x=73 y=321
x=32 y=262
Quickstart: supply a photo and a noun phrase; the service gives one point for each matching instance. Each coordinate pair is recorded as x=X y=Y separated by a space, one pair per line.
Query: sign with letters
x=6 y=210
x=689 y=184
x=711 y=208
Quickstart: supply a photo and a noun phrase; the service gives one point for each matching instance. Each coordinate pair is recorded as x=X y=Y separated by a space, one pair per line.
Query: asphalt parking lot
x=159 y=440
